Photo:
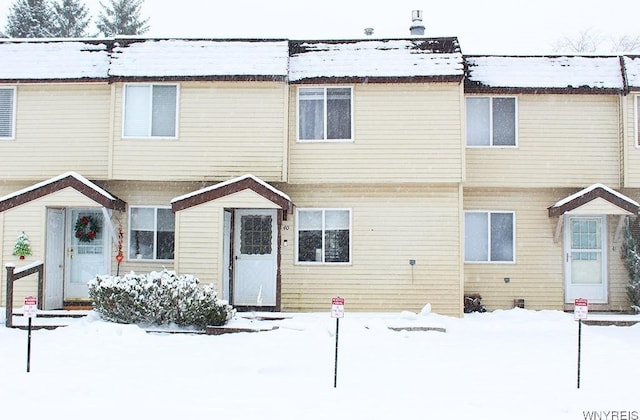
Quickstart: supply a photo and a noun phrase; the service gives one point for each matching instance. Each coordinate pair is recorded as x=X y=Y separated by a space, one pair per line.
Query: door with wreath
x=86 y=251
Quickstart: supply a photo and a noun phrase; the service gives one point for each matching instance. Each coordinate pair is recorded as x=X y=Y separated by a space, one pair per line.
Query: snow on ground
x=515 y=364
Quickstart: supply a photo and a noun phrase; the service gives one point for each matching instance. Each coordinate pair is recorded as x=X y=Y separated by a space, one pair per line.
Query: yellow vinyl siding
x=390 y=226
x=31 y=218
x=631 y=146
x=537 y=274
x=402 y=133
x=225 y=129
x=59 y=127
x=563 y=141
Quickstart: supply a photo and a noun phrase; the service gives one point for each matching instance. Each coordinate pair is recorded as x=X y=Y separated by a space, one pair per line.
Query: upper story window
x=7 y=112
x=489 y=236
x=637 y=120
x=151 y=233
x=324 y=235
x=325 y=113
x=491 y=121
x=150 y=110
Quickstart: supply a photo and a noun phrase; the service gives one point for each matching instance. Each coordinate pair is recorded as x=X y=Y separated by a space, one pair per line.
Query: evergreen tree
x=22 y=247
x=630 y=248
x=30 y=19
x=71 y=18
x=121 y=17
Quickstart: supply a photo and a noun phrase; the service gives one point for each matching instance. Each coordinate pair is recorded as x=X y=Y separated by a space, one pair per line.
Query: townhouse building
x=391 y=172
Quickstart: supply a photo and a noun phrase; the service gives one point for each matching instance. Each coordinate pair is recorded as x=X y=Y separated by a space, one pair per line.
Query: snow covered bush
x=632 y=261
x=158 y=298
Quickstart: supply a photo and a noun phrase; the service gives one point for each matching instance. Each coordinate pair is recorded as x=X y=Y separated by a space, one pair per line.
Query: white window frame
x=514 y=236
x=155 y=234
x=13 y=113
x=636 y=110
x=491 y=145
x=323 y=210
x=325 y=139
x=150 y=123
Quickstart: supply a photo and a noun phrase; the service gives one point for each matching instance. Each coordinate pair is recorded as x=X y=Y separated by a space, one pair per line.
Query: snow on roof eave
x=229 y=182
x=590 y=193
x=75 y=175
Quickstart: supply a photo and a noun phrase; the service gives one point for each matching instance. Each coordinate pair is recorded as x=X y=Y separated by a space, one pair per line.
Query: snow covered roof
x=632 y=69
x=67 y=179
x=53 y=59
x=590 y=193
x=544 y=72
x=392 y=58
x=200 y=58
x=231 y=186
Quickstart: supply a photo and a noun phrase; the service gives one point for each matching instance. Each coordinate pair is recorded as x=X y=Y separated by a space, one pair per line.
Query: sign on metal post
x=337 y=312
x=30 y=310
x=580 y=312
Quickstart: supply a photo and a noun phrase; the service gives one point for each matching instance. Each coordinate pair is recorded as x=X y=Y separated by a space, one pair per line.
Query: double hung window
x=324 y=235
x=324 y=113
x=151 y=233
x=491 y=121
x=7 y=112
x=150 y=110
x=489 y=236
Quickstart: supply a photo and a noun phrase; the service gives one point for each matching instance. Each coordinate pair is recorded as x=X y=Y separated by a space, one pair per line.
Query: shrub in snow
x=632 y=261
x=158 y=298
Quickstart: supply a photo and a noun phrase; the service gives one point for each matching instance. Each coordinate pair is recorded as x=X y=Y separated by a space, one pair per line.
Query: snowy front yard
x=516 y=364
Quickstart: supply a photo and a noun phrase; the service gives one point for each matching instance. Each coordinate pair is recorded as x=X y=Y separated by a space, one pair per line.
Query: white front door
x=54 y=262
x=85 y=257
x=586 y=259
x=255 y=258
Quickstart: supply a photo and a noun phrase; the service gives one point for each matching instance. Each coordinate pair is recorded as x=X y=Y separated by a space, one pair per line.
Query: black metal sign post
x=337 y=312
x=579 y=348
x=580 y=312
x=29 y=347
x=335 y=368
x=30 y=310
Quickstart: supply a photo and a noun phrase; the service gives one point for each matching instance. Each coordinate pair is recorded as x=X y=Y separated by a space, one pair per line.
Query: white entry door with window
x=585 y=259
x=86 y=256
x=255 y=258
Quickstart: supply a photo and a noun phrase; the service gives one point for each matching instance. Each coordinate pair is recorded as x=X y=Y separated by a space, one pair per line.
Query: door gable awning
x=60 y=182
x=232 y=186
x=595 y=199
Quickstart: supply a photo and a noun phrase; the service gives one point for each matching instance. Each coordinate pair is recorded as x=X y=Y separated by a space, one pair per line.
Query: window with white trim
x=7 y=112
x=150 y=110
x=489 y=236
x=151 y=233
x=491 y=121
x=637 y=113
x=325 y=113
x=323 y=235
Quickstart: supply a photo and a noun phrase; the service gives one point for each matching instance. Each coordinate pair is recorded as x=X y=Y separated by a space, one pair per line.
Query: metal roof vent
x=417 y=27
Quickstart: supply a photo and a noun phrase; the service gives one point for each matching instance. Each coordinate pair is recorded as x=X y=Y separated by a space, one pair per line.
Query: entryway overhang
x=233 y=186
x=597 y=199
x=52 y=185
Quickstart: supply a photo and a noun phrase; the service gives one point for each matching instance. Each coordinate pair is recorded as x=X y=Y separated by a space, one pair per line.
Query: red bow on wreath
x=86 y=228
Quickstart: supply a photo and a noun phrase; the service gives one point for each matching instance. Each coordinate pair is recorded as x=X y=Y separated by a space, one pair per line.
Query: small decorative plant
x=22 y=248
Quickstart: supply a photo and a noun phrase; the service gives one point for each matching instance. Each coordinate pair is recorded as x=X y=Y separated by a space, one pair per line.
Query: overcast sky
x=482 y=26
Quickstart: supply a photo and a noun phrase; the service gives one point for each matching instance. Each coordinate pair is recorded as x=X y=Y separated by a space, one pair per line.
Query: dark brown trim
x=592 y=195
x=410 y=79
x=472 y=87
x=206 y=78
x=243 y=184
x=68 y=80
x=68 y=181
